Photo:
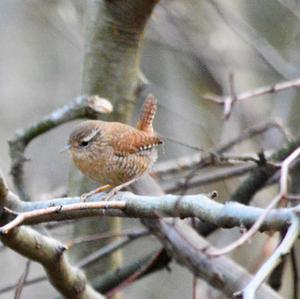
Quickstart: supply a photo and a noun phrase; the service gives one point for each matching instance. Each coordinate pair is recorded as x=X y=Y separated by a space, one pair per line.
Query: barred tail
x=147 y=114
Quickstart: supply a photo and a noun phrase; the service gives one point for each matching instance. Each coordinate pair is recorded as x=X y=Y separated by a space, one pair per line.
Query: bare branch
x=130 y=233
x=247 y=235
x=186 y=246
x=212 y=177
x=230 y=101
x=253 y=93
x=22 y=280
x=190 y=161
x=256 y=180
x=295 y=273
x=110 y=248
x=38 y=214
x=283 y=195
x=112 y=279
x=3 y=189
x=146 y=267
x=119 y=278
x=283 y=249
x=126 y=204
x=222 y=148
x=70 y=281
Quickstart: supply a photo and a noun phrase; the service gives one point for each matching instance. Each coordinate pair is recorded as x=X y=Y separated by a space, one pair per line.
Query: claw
x=85 y=196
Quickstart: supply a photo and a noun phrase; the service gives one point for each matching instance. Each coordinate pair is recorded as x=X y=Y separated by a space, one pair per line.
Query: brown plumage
x=114 y=153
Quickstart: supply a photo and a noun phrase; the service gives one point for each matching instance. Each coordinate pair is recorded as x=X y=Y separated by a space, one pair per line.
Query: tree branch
x=68 y=280
x=208 y=178
x=113 y=279
x=186 y=246
x=283 y=249
x=126 y=204
x=256 y=180
x=260 y=91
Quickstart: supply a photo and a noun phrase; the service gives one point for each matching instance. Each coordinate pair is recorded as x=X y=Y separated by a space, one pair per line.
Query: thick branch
x=185 y=245
x=126 y=204
x=70 y=281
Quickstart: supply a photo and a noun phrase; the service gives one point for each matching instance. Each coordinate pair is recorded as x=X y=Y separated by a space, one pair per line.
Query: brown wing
x=133 y=141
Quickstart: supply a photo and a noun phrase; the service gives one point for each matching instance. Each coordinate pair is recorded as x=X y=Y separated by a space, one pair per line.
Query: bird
x=115 y=154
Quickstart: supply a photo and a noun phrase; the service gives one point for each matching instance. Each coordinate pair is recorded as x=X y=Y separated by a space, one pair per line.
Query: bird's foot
x=111 y=193
x=85 y=196
x=116 y=189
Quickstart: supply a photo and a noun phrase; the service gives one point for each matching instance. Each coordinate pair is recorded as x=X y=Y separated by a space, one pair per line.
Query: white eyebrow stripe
x=92 y=135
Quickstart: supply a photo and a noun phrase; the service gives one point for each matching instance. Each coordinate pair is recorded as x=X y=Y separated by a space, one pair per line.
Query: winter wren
x=115 y=154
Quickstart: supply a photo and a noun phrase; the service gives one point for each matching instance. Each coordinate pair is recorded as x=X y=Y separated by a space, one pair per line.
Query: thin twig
x=22 y=280
x=230 y=101
x=110 y=248
x=223 y=100
x=114 y=278
x=281 y=196
x=209 y=178
x=249 y=133
x=3 y=189
x=146 y=267
x=28 y=282
x=283 y=249
x=194 y=287
x=184 y=244
x=67 y=279
x=22 y=217
x=247 y=235
x=295 y=273
x=130 y=233
x=187 y=162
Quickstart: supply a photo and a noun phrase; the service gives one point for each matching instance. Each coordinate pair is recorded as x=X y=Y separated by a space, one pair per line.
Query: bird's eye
x=83 y=143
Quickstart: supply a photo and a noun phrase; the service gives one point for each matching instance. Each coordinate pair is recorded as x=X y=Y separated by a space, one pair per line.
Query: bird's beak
x=65 y=148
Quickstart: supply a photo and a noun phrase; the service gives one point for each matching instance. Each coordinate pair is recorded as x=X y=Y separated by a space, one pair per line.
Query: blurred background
x=191 y=47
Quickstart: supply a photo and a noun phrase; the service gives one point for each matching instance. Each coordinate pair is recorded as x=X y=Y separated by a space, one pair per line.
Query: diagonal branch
x=68 y=280
x=185 y=245
x=22 y=280
x=283 y=249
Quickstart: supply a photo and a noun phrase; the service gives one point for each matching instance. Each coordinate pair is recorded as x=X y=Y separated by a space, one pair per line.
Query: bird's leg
x=116 y=189
x=84 y=196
